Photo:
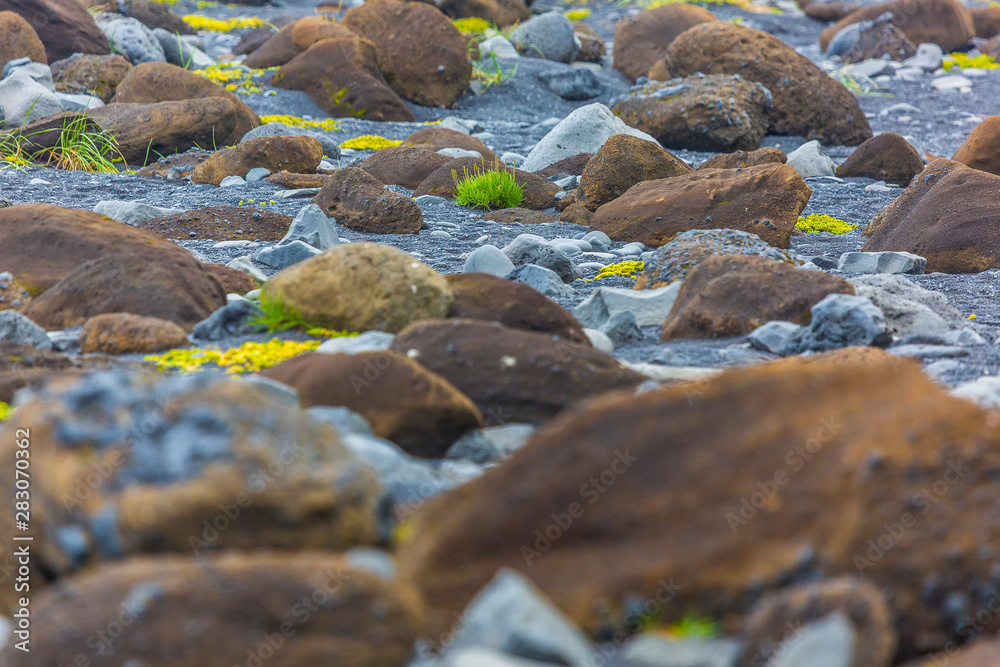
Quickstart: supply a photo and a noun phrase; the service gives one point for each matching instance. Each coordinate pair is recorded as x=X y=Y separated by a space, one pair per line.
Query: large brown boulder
x=885 y=157
x=308 y=608
x=501 y=12
x=733 y=295
x=482 y=296
x=539 y=194
x=162 y=82
x=713 y=494
x=435 y=138
x=743 y=159
x=361 y=287
x=98 y=74
x=985 y=21
x=512 y=374
x=311 y=29
x=64 y=26
x=343 y=78
x=125 y=333
x=295 y=153
x=807 y=101
x=19 y=40
x=622 y=162
x=981 y=149
x=765 y=200
x=221 y=223
x=946 y=23
x=360 y=201
x=640 y=40
x=277 y=50
x=404 y=402
x=984 y=652
x=947 y=215
x=421 y=53
x=403 y=165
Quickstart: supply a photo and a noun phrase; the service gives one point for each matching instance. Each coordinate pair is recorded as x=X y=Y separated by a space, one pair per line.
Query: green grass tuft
x=493 y=188
x=823 y=223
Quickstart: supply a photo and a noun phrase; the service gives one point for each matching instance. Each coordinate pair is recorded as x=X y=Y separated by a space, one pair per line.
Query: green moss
x=494 y=188
x=813 y=223
x=626 y=269
x=369 y=142
x=247 y=358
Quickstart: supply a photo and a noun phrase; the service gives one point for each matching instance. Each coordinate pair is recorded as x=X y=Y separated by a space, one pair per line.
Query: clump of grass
x=964 y=60
x=814 y=222
x=626 y=269
x=12 y=153
x=369 y=142
x=327 y=125
x=249 y=357
x=693 y=626
x=83 y=147
x=495 y=187
x=859 y=85
x=473 y=26
x=489 y=72
x=277 y=316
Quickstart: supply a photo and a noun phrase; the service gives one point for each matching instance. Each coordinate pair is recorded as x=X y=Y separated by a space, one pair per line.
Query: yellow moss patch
x=327 y=125
x=964 y=60
x=234 y=77
x=577 y=14
x=247 y=358
x=199 y=22
x=813 y=223
x=627 y=269
x=322 y=332
x=369 y=142
x=5 y=411
x=472 y=26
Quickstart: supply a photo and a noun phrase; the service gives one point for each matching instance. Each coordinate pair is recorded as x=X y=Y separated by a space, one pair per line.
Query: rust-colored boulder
x=292 y=181
x=981 y=149
x=232 y=280
x=571 y=166
x=342 y=77
x=732 y=295
x=435 y=138
x=807 y=101
x=713 y=494
x=592 y=46
x=162 y=82
x=360 y=201
x=125 y=333
x=539 y=193
x=295 y=153
x=885 y=157
x=311 y=29
x=765 y=200
x=481 y=296
x=24 y=365
x=947 y=215
x=221 y=223
x=19 y=40
x=63 y=26
x=577 y=214
x=308 y=608
x=98 y=74
x=512 y=374
x=421 y=53
x=501 y=12
x=404 y=402
x=985 y=21
x=622 y=162
x=946 y=23
x=828 y=11
x=744 y=159
x=640 y=40
x=983 y=652
x=403 y=165
x=174 y=166
x=877 y=40
x=275 y=52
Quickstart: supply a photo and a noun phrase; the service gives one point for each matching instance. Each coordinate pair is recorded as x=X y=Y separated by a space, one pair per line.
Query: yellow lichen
x=626 y=269
x=200 y=22
x=369 y=142
x=247 y=358
x=5 y=411
x=813 y=223
x=577 y=14
x=233 y=77
x=964 y=60
x=472 y=26
x=327 y=125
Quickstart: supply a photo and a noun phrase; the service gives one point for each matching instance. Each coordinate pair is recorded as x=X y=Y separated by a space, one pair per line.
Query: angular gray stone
x=984 y=390
x=330 y=147
x=17 y=328
x=369 y=341
x=929 y=57
x=650 y=650
x=257 y=174
x=908 y=308
x=72 y=102
x=131 y=38
x=572 y=83
x=599 y=340
x=498 y=46
x=772 y=336
x=840 y=320
x=550 y=36
x=488 y=259
x=491 y=444
x=650 y=307
x=621 y=329
x=285 y=255
x=312 y=227
x=40 y=73
x=178 y=52
x=132 y=212
x=541 y=279
x=810 y=162
x=233 y=180
x=22 y=100
x=828 y=642
x=887 y=261
x=533 y=249
x=233 y=319
x=245 y=264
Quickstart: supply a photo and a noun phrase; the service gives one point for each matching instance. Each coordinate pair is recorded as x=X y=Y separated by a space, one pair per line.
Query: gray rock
x=299 y=193
x=908 y=308
x=599 y=340
x=488 y=259
x=810 y=162
x=828 y=642
x=233 y=319
x=498 y=46
x=512 y=616
x=257 y=174
x=773 y=336
x=17 y=328
x=72 y=102
x=882 y=262
x=459 y=152
x=491 y=444
x=844 y=40
x=649 y=307
x=621 y=329
x=929 y=57
x=583 y=131
x=840 y=320
x=343 y=420
x=572 y=83
x=369 y=341
x=11 y=65
x=431 y=200
x=40 y=73
x=964 y=336
x=549 y=36
x=312 y=227
x=285 y=255
x=233 y=180
x=953 y=82
x=180 y=53
x=929 y=351
x=541 y=279
x=66 y=341
x=533 y=249
x=650 y=650
x=331 y=148
x=871 y=68
x=984 y=390
x=131 y=38
x=22 y=100
x=369 y=559
x=132 y=212
x=279 y=392
x=245 y=264
x=461 y=124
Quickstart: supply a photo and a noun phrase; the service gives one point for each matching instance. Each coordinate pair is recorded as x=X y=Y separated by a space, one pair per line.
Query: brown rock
x=567 y=200
x=296 y=153
x=98 y=74
x=539 y=194
x=360 y=201
x=501 y=12
x=421 y=412
x=292 y=181
x=251 y=40
x=882 y=38
x=275 y=52
x=13 y=295
x=511 y=374
x=981 y=149
x=571 y=166
x=23 y=365
x=885 y=157
x=421 y=53
x=18 y=39
x=221 y=223
x=733 y=295
x=232 y=280
x=592 y=45
x=481 y=296
x=744 y=159
x=640 y=40
x=807 y=101
x=684 y=459
x=991 y=47
x=125 y=333
x=342 y=77
x=64 y=26
x=520 y=216
x=945 y=215
x=403 y=165
x=361 y=287
x=776 y=618
x=162 y=82
x=978 y=653
x=622 y=162
x=311 y=29
x=243 y=602
x=435 y=138
x=946 y=23
x=176 y=166
x=828 y=11
x=764 y=200
x=985 y=21
x=577 y=214
x=152 y=15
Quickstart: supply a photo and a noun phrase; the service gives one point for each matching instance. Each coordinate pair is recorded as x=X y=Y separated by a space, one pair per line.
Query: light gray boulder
x=488 y=259
x=887 y=261
x=22 y=100
x=18 y=328
x=840 y=320
x=178 y=52
x=908 y=308
x=810 y=162
x=550 y=36
x=650 y=307
x=131 y=38
x=132 y=212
